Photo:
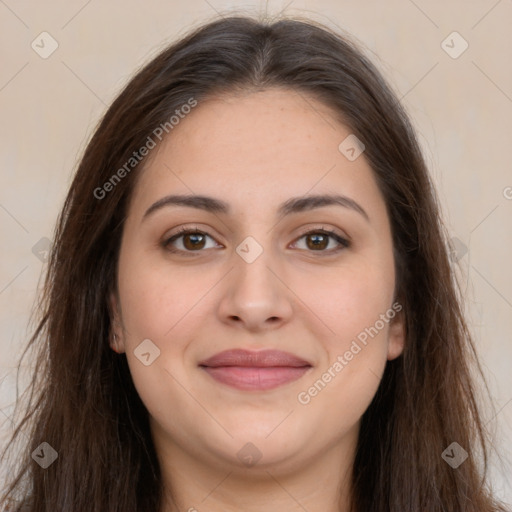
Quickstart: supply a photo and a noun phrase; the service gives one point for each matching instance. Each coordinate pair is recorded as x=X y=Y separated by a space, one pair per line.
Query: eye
x=193 y=241
x=318 y=240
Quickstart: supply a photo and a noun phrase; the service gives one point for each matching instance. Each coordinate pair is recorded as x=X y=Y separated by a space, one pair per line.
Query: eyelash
x=344 y=243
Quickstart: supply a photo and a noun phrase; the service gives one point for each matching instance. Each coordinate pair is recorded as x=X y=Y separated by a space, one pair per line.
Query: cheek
x=348 y=299
x=346 y=384
x=155 y=300
x=355 y=303
x=348 y=393
x=157 y=306
x=164 y=307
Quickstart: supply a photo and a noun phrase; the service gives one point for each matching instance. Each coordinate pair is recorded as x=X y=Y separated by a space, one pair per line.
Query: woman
x=249 y=303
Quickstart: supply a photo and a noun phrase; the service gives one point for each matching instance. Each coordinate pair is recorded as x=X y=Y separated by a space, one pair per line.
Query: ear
x=116 y=339
x=396 y=341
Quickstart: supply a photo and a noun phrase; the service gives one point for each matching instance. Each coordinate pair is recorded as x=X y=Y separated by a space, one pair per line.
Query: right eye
x=191 y=240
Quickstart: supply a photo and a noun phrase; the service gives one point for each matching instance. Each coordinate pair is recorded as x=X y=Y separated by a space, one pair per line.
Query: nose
x=255 y=297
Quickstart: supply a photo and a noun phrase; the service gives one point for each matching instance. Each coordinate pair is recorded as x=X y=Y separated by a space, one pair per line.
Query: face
x=311 y=279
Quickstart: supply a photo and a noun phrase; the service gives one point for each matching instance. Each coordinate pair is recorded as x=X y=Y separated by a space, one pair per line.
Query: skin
x=255 y=151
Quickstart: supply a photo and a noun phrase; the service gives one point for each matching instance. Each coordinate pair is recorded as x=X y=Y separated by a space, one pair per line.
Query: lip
x=248 y=370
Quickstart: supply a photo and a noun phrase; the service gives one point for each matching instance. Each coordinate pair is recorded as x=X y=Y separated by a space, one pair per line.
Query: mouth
x=246 y=370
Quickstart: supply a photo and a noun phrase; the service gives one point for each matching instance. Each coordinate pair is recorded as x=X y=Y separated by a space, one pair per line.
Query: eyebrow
x=292 y=205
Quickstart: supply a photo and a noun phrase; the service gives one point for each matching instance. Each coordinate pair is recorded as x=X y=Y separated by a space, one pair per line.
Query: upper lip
x=260 y=359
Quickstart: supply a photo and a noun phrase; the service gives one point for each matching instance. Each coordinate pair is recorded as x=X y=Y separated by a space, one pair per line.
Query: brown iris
x=320 y=241
x=197 y=241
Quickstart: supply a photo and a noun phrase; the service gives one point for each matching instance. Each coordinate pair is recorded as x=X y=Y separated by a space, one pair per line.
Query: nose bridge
x=252 y=270
x=254 y=282
x=255 y=295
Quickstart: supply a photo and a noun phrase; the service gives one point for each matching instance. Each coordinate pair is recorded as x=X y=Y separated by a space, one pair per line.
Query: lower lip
x=250 y=378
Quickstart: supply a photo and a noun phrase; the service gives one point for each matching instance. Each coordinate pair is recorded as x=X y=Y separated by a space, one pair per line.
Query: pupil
x=318 y=240
x=195 y=238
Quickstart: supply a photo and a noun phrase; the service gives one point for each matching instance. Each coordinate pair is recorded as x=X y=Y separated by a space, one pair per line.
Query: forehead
x=261 y=147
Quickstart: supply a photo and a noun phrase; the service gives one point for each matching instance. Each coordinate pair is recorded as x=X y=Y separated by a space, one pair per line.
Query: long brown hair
x=82 y=400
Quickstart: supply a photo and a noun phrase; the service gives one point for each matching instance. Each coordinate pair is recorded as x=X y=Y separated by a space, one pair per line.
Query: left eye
x=320 y=239
x=194 y=241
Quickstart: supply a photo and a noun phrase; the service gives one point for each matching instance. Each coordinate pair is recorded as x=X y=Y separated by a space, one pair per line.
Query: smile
x=248 y=370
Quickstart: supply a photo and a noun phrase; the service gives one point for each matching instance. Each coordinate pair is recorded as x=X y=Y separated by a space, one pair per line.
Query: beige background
x=462 y=108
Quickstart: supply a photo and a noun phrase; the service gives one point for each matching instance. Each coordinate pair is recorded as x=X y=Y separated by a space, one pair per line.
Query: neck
x=321 y=484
